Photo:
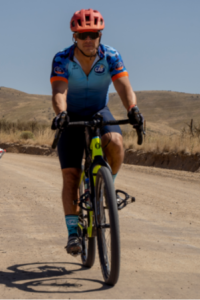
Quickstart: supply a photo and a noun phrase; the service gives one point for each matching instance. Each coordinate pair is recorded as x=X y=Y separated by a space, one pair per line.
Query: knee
x=113 y=141
x=118 y=140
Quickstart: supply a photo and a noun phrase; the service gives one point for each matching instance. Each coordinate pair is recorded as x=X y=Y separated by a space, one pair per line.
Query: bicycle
x=98 y=217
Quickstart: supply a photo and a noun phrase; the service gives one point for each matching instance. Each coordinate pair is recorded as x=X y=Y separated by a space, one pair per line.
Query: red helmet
x=87 y=20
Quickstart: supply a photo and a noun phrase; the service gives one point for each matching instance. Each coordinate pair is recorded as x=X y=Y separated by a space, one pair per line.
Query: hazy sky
x=159 y=41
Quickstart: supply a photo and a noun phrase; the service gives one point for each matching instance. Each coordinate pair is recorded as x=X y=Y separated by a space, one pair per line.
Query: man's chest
x=98 y=72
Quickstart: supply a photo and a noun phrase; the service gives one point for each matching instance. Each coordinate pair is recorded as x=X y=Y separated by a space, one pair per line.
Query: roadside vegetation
x=34 y=133
x=187 y=141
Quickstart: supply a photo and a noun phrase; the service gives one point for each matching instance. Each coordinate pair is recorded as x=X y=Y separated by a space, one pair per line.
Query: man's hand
x=135 y=117
x=60 y=120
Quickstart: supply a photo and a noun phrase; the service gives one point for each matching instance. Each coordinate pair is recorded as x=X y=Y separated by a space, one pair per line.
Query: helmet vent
x=101 y=21
x=79 y=22
x=73 y=23
x=95 y=21
x=87 y=18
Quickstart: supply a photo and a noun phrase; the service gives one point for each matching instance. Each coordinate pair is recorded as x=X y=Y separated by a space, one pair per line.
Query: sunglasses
x=84 y=35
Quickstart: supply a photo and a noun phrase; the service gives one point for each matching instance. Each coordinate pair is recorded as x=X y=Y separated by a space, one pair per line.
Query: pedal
x=123 y=199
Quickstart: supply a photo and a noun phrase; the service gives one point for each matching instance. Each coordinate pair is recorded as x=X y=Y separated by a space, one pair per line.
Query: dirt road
x=160 y=235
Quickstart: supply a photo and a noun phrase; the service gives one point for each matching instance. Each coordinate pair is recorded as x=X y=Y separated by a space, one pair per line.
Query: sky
x=159 y=41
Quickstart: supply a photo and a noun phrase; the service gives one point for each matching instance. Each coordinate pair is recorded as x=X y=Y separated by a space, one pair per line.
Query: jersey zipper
x=84 y=75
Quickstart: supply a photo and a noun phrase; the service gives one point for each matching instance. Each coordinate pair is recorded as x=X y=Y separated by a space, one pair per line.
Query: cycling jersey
x=87 y=94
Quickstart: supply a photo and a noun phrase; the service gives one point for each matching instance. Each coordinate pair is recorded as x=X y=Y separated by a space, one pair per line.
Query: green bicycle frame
x=96 y=148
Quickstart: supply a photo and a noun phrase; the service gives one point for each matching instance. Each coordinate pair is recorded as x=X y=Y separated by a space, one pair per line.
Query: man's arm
x=59 y=95
x=125 y=91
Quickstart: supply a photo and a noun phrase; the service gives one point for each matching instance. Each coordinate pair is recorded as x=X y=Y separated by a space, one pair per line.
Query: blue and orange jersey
x=87 y=94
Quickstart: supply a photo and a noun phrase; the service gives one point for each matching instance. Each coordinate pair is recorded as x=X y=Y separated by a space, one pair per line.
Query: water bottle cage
x=84 y=202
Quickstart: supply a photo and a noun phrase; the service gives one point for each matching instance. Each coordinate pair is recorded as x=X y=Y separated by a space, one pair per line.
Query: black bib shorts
x=71 y=143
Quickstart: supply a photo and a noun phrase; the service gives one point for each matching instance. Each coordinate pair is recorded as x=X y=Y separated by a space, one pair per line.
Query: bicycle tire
x=88 y=244
x=106 y=208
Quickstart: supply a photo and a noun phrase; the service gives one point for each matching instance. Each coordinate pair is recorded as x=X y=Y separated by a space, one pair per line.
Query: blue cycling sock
x=114 y=177
x=72 y=224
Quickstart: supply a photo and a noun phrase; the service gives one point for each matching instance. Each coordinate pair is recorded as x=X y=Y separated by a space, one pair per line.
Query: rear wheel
x=88 y=244
x=107 y=226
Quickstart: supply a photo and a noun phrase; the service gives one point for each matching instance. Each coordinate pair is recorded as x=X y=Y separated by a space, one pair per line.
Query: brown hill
x=172 y=109
x=16 y=105
x=164 y=111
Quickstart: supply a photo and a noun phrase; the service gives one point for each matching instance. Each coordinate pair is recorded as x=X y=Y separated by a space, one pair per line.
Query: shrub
x=26 y=135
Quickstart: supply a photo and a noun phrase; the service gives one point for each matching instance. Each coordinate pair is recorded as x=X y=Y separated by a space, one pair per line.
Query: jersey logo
x=99 y=69
x=59 y=70
x=119 y=66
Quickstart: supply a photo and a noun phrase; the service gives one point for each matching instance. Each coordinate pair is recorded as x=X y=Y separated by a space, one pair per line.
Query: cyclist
x=80 y=78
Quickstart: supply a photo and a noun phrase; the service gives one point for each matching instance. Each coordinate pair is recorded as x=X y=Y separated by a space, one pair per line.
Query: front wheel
x=107 y=226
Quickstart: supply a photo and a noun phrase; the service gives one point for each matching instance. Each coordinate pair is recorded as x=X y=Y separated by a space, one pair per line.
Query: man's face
x=88 y=45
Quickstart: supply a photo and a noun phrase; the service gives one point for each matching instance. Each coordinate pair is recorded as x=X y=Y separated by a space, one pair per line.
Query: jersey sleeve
x=116 y=65
x=59 y=70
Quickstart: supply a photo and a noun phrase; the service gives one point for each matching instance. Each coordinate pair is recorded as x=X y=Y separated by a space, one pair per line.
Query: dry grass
x=182 y=142
x=11 y=132
x=40 y=138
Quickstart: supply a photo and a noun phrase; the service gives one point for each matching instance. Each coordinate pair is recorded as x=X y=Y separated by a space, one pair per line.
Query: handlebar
x=99 y=123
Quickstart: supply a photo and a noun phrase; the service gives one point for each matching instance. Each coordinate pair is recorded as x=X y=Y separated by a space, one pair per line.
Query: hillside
x=172 y=109
x=16 y=105
x=164 y=111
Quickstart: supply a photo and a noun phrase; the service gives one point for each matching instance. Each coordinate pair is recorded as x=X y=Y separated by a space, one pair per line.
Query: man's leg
x=112 y=144
x=71 y=178
x=70 y=151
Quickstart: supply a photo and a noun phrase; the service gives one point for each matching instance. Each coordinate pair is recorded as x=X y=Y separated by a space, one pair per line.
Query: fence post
x=191 y=127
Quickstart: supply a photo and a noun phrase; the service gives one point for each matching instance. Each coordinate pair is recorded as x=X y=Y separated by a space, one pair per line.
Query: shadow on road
x=48 y=277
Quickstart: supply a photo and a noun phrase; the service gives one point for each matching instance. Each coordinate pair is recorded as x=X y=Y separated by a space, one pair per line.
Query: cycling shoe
x=74 y=246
